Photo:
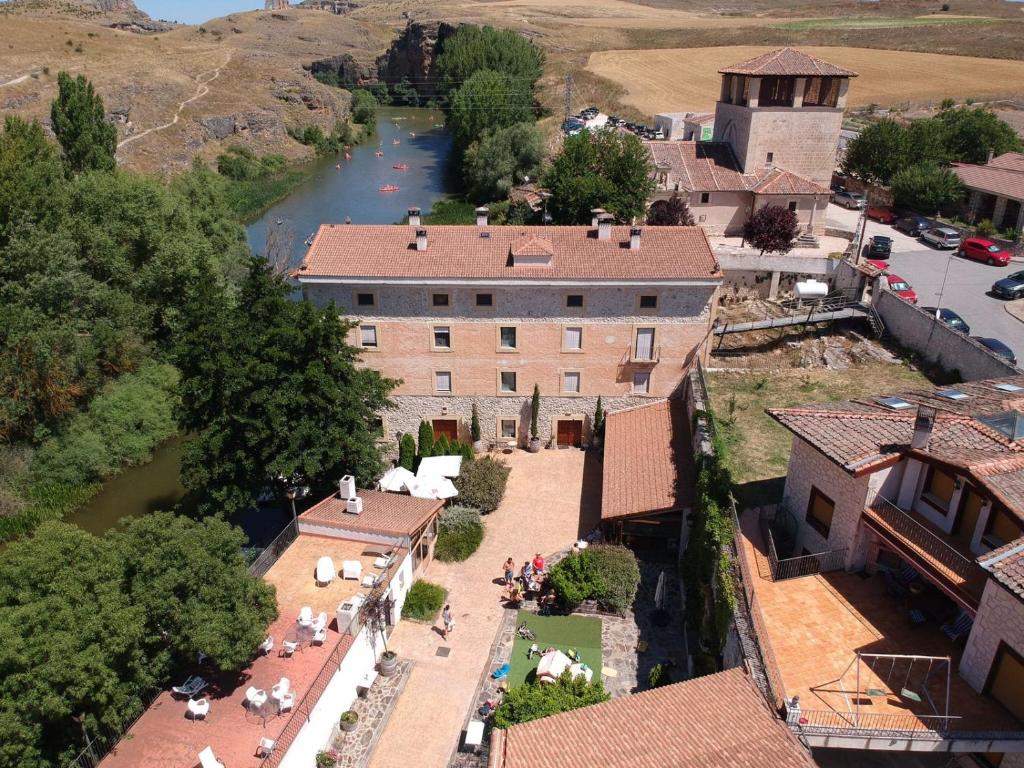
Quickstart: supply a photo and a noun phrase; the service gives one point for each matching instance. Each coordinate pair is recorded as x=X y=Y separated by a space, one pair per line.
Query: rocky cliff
x=413 y=55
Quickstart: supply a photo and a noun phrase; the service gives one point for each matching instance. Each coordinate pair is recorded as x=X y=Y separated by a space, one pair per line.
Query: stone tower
x=783 y=109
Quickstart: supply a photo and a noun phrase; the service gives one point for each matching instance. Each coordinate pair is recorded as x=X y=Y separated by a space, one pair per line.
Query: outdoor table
x=300 y=634
x=262 y=711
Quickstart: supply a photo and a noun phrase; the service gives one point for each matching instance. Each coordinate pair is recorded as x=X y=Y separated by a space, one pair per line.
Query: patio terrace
x=815 y=625
x=165 y=738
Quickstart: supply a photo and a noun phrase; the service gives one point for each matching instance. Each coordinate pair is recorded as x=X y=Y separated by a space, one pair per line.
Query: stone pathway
x=552 y=497
x=356 y=747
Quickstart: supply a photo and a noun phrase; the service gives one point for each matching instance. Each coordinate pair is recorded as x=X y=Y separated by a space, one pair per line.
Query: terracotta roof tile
x=1006 y=564
x=1013 y=161
x=1003 y=176
x=531 y=245
x=780 y=182
x=389 y=514
x=787 y=61
x=454 y=252
x=711 y=166
x=646 y=460
x=717 y=720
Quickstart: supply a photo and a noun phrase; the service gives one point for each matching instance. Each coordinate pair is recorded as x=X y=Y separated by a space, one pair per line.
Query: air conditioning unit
x=347 y=487
x=354 y=506
x=348 y=613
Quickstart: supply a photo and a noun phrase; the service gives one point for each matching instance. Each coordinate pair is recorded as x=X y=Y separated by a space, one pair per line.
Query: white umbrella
x=659 y=592
x=439 y=466
x=395 y=479
x=431 y=488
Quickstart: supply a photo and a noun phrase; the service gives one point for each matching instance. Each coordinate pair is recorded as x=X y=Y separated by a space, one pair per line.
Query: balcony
x=915 y=539
x=639 y=355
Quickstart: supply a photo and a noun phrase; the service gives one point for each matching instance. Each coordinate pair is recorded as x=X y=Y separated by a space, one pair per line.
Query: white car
x=942 y=237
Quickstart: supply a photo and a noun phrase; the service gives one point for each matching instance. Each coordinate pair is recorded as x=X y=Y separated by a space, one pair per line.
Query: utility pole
x=568 y=95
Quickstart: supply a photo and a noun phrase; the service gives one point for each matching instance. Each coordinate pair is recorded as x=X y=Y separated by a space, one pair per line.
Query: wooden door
x=967 y=518
x=447 y=427
x=1006 y=681
x=570 y=433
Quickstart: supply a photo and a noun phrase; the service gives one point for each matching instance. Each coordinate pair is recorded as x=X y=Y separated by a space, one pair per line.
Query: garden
x=572 y=635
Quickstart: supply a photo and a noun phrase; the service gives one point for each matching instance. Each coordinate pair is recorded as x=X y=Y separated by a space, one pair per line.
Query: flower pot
x=348 y=725
x=388 y=664
x=534 y=445
x=478 y=446
x=595 y=442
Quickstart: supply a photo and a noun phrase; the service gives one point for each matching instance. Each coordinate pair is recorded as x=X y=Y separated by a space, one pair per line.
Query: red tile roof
x=1003 y=176
x=388 y=514
x=787 y=61
x=780 y=182
x=647 y=456
x=1006 y=564
x=459 y=252
x=717 y=720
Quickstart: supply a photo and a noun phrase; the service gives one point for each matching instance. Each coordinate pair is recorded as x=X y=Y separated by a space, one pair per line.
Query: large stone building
x=477 y=315
x=776 y=129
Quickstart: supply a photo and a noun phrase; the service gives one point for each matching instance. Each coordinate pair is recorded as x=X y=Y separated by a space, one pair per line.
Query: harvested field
x=680 y=79
x=881 y=23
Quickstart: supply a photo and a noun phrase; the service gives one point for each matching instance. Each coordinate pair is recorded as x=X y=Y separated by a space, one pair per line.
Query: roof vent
x=953 y=394
x=923 y=425
x=485 y=235
x=1006 y=386
x=634 y=238
x=894 y=403
x=481 y=215
x=421 y=239
x=604 y=226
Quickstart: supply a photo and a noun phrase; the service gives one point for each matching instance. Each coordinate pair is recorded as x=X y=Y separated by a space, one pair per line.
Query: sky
x=195 y=11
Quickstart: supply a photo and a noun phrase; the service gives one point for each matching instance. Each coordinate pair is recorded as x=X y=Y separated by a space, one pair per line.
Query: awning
x=439 y=466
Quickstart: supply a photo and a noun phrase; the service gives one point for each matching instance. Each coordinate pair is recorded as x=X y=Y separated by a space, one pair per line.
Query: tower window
x=769 y=158
x=776 y=92
x=821 y=92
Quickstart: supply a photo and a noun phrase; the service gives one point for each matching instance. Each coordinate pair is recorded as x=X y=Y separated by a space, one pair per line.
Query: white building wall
x=1000 y=619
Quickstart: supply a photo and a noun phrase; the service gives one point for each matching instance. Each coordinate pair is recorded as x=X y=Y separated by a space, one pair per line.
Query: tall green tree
x=927 y=188
x=271 y=388
x=878 y=152
x=364 y=107
x=30 y=176
x=487 y=101
x=79 y=121
x=472 y=49
x=500 y=159
x=974 y=132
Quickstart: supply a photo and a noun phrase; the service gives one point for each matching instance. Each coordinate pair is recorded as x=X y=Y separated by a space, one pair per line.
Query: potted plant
x=474 y=430
x=598 y=424
x=534 y=444
x=388 y=663
x=324 y=759
x=349 y=720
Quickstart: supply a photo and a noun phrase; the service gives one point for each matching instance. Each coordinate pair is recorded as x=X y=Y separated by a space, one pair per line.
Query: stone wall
x=1000 y=619
x=936 y=342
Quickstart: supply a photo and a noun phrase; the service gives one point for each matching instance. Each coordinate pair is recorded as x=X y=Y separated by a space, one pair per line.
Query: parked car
x=879 y=247
x=913 y=225
x=980 y=249
x=950 y=318
x=901 y=288
x=849 y=199
x=884 y=215
x=998 y=347
x=942 y=237
x=1010 y=287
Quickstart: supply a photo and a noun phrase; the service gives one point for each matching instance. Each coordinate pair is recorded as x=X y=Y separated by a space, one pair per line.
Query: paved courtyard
x=552 y=497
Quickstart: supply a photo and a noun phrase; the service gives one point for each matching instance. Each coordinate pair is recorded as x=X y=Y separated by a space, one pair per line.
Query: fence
x=269 y=556
x=98 y=746
x=827 y=722
x=804 y=565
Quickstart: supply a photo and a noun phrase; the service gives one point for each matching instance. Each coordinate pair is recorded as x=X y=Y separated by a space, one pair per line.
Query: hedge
x=607 y=573
x=423 y=601
x=460 y=531
x=481 y=483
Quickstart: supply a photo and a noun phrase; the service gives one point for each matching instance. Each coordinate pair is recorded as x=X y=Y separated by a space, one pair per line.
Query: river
x=331 y=194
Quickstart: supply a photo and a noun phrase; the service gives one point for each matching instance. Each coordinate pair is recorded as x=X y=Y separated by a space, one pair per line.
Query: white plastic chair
x=198 y=708
x=320 y=622
x=208 y=760
x=288 y=648
x=351 y=569
x=287 y=702
x=281 y=688
x=266 y=646
x=265 y=747
x=325 y=572
x=305 y=616
x=320 y=636
x=255 y=695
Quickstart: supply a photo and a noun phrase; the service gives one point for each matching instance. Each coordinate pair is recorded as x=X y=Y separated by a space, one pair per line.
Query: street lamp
x=942 y=290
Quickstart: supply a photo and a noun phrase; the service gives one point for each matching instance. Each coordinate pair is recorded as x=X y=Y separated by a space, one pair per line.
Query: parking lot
x=966 y=285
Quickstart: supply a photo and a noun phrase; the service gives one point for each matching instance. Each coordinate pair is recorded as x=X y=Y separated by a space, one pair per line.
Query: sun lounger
x=208 y=760
x=351 y=569
x=958 y=628
x=190 y=687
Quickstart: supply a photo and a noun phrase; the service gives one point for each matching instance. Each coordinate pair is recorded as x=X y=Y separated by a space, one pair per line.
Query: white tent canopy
x=395 y=479
x=439 y=466
x=431 y=488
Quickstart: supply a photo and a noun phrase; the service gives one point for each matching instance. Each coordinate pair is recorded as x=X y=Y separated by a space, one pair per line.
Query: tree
x=532 y=701
x=500 y=159
x=772 y=229
x=487 y=101
x=426 y=440
x=534 y=411
x=599 y=170
x=674 y=212
x=878 y=152
x=474 y=425
x=973 y=133
x=928 y=142
x=79 y=122
x=271 y=388
x=599 y=418
x=407 y=451
x=364 y=107
x=472 y=49
x=30 y=176
x=926 y=188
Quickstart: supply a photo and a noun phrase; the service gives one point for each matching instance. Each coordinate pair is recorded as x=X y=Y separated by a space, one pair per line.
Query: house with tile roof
x=995 y=190
x=776 y=129
x=897 y=554
x=470 y=316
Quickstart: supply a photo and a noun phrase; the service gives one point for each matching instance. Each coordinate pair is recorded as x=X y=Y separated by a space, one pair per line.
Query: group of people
x=532 y=578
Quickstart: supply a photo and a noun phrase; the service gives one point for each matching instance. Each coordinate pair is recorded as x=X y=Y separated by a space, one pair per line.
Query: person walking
x=449 y=622
x=510 y=571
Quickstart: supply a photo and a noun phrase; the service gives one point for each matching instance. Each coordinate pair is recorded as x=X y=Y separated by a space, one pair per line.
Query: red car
x=901 y=288
x=883 y=215
x=980 y=249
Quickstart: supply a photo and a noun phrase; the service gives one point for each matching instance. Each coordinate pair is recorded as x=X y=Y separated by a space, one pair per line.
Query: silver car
x=851 y=200
x=942 y=237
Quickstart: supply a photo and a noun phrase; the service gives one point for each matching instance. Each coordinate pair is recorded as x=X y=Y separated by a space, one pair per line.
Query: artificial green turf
x=582 y=633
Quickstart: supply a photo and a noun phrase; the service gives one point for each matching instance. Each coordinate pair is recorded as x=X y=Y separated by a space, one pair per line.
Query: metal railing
x=277 y=547
x=98 y=746
x=652 y=355
x=802 y=565
x=828 y=722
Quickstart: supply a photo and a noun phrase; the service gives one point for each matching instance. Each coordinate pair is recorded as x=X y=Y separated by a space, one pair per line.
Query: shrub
x=659 y=676
x=324 y=760
x=350 y=716
x=576 y=578
x=535 y=700
x=423 y=601
x=364 y=107
x=426 y=441
x=460 y=532
x=407 y=451
x=608 y=573
x=534 y=411
x=481 y=483
x=599 y=418
x=443 y=446
x=985 y=228
x=474 y=425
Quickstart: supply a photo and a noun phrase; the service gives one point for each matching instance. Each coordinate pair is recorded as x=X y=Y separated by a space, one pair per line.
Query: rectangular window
x=792 y=206
x=440 y=299
x=705 y=197
x=508 y=337
x=368 y=335
x=769 y=158
x=508 y=429
x=820 y=509
x=642 y=382
x=821 y=92
x=443 y=381
x=648 y=302
x=508 y=381
x=485 y=299
x=644 y=349
x=571 y=382
x=365 y=300
x=776 y=92
x=442 y=337
x=574 y=337
x=574 y=301
x=377 y=427
x=1001 y=528
x=938 y=488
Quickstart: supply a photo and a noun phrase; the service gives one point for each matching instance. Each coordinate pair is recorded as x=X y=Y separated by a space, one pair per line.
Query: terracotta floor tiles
x=817 y=624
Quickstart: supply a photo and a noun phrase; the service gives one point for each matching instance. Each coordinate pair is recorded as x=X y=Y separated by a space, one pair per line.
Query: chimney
x=414 y=216
x=481 y=216
x=923 y=427
x=604 y=226
x=347 y=488
x=634 y=238
x=991 y=154
x=595 y=215
x=421 y=239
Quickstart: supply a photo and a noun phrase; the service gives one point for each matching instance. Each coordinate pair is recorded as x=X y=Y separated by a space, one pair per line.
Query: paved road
x=966 y=286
